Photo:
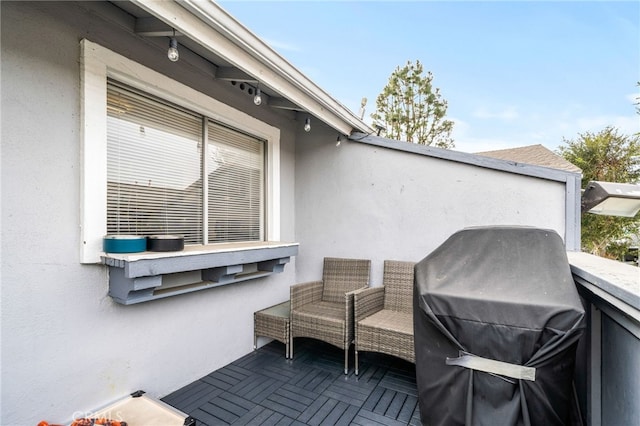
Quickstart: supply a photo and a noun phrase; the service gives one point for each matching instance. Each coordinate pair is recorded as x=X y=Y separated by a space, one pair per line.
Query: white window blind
x=155 y=180
x=154 y=183
x=236 y=185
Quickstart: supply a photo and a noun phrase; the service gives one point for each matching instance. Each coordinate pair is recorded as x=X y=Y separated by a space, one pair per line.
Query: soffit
x=238 y=55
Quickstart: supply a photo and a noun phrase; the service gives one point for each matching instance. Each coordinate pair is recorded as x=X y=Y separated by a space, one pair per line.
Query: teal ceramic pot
x=124 y=244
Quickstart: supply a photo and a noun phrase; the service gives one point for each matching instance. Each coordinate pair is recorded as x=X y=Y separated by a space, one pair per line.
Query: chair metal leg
x=287 y=350
x=346 y=360
x=356 y=361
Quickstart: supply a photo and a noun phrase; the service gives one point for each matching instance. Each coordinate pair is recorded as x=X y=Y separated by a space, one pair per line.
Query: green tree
x=637 y=103
x=610 y=157
x=411 y=109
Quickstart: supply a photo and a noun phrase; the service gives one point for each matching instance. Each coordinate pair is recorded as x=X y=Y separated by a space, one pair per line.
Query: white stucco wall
x=67 y=348
x=378 y=203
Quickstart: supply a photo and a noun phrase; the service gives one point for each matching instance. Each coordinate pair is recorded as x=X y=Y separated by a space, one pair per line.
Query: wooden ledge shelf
x=146 y=276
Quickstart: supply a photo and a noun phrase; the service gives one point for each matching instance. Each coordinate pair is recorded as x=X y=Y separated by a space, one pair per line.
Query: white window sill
x=145 y=276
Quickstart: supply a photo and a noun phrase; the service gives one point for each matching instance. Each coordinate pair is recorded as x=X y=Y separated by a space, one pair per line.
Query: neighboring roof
x=536 y=155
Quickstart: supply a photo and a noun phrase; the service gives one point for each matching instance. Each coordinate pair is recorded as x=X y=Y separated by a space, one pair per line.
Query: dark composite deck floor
x=264 y=388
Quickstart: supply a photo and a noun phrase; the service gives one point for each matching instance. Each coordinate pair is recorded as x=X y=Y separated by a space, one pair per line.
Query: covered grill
x=497 y=319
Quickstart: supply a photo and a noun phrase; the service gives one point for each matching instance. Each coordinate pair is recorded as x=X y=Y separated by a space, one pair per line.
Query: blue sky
x=514 y=73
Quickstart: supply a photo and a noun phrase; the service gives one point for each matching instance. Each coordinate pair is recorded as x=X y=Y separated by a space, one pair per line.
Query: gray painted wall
x=66 y=346
x=371 y=202
x=620 y=373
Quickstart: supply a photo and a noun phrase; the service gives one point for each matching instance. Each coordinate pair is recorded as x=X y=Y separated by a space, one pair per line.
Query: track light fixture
x=172 y=53
x=257 y=99
x=307 y=125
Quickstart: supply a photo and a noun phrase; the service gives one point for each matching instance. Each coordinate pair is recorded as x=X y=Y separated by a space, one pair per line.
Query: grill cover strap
x=499 y=368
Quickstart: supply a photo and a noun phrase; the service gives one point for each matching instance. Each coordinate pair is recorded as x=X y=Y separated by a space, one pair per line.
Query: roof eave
x=207 y=24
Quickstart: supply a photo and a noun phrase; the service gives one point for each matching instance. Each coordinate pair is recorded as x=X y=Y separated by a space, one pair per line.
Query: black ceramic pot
x=165 y=243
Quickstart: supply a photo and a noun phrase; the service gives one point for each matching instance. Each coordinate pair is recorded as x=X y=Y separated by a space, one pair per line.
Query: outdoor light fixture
x=307 y=125
x=172 y=53
x=257 y=99
x=379 y=128
x=611 y=199
x=338 y=140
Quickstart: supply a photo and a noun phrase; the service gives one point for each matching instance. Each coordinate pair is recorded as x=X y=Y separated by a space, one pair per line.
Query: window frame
x=99 y=63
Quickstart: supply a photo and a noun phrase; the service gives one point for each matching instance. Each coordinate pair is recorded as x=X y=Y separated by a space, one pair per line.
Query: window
x=235 y=186
x=160 y=176
x=161 y=158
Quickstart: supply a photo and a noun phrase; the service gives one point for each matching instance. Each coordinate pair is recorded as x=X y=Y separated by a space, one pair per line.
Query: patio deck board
x=194 y=389
x=195 y=401
x=265 y=388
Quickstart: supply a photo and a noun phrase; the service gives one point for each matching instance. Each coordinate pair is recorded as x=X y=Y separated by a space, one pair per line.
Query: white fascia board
x=212 y=27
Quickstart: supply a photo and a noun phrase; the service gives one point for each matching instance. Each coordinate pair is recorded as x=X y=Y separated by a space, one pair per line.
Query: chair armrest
x=304 y=293
x=367 y=301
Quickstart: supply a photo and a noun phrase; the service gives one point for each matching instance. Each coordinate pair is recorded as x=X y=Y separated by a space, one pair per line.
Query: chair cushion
x=397 y=322
x=325 y=312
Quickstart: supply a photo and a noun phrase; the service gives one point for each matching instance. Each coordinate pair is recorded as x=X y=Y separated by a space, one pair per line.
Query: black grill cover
x=506 y=294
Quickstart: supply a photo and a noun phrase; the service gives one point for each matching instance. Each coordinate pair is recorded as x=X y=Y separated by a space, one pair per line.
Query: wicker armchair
x=323 y=310
x=384 y=315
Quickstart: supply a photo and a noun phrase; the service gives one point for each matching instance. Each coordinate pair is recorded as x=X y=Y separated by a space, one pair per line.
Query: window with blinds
x=236 y=185
x=163 y=180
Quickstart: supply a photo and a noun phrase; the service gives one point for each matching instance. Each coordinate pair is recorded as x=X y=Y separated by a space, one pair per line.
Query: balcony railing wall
x=608 y=360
